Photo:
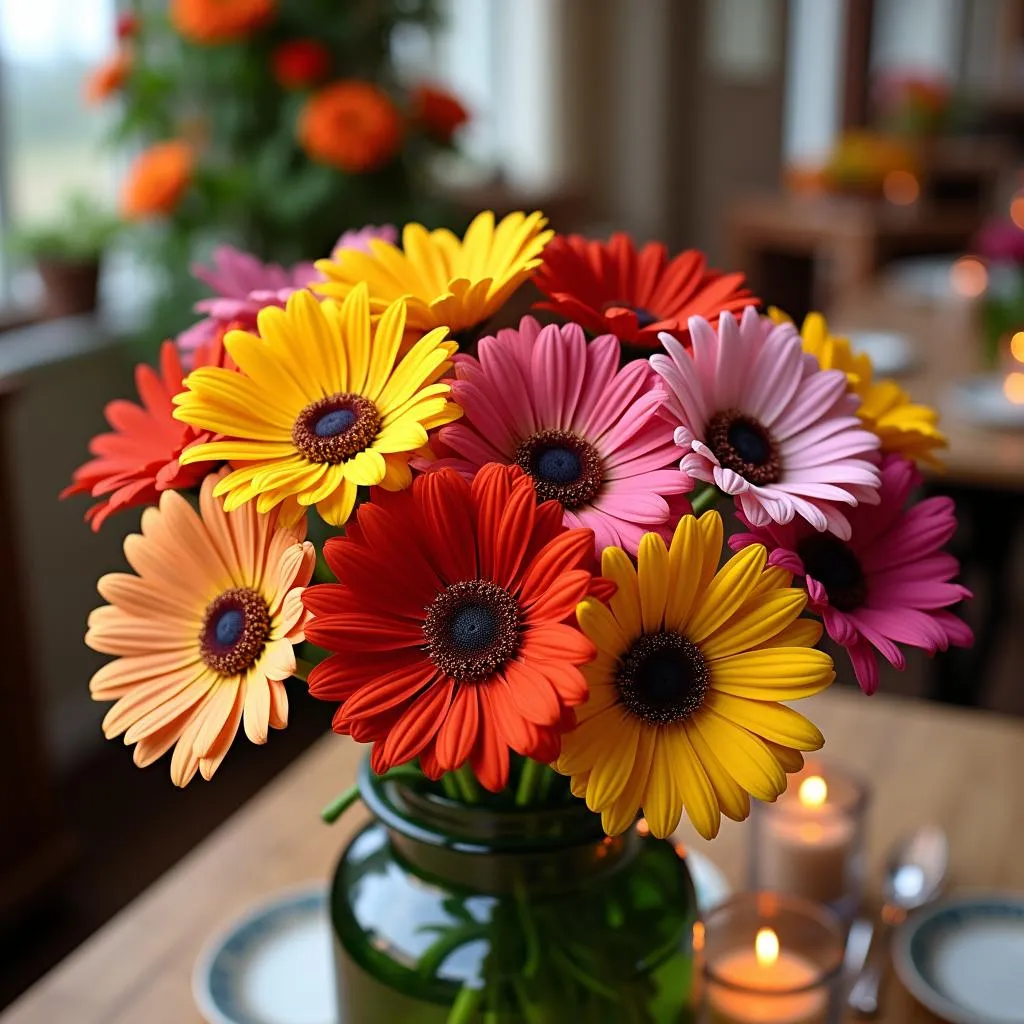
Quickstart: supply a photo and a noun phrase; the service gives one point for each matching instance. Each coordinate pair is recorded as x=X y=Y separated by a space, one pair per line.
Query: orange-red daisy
x=448 y=629
x=138 y=458
x=611 y=288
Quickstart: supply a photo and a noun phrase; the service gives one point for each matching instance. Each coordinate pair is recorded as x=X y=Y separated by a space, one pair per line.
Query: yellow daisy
x=320 y=405
x=684 y=709
x=446 y=281
x=905 y=428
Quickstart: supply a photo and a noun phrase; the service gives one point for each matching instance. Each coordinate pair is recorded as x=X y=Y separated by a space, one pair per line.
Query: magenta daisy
x=764 y=423
x=593 y=437
x=890 y=583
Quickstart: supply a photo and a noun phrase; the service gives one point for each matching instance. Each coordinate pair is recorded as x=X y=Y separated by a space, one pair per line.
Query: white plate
x=275 y=964
x=963 y=958
x=980 y=400
x=890 y=353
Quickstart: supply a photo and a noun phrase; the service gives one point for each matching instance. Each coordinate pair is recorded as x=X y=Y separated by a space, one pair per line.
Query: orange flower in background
x=108 y=78
x=438 y=111
x=220 y=21
x=350 y=125
x=157 y=179
x=300 y=62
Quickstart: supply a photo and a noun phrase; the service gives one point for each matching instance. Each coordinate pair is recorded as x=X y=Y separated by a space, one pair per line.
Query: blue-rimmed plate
x=963 y=958
x=272 y=966
x=275 y=964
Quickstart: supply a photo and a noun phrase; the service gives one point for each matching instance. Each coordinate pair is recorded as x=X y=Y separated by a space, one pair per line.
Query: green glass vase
x=452 y=914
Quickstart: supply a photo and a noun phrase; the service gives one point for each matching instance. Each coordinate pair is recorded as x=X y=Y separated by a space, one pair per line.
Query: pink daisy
x=888 y=584
x=360 y=238
x=592 y=436
x=243 y=286
x=764 y=423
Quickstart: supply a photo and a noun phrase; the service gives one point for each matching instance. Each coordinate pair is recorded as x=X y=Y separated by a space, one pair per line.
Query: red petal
x=386 y=692
x=418 y=725
x=459 y=730
x=555 y=642
x=490 y=755
x=356 y=631
x=514 y=532
x=531 y=693
x=446 y=502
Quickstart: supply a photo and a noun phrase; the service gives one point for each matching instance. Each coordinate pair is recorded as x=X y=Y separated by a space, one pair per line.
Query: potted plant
x=67 y=253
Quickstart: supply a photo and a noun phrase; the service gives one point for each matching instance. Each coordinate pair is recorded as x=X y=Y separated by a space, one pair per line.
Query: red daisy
x=610 y=288
x=139 y=457
x=449 y=627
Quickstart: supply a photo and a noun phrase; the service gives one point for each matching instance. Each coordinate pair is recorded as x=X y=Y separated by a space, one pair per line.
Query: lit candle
x=762 y=985
x=807 y=841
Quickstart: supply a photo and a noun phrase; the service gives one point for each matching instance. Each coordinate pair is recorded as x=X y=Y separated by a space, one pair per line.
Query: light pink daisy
x=889 y=583
x=592 y=436
x=360 y=238
x=243 y=286
x=765 y=424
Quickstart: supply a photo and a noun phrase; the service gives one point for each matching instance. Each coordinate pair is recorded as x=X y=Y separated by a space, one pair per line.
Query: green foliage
x=80 y=233
x=254 y=187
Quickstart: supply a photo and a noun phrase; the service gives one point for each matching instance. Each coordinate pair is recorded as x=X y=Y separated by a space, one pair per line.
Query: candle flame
x=1013 y=387
x=766 y=947
x=1017 y=210
x=813 y=791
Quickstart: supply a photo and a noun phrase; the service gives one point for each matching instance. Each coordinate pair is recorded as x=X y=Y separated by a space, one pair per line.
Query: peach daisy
x=203 y=632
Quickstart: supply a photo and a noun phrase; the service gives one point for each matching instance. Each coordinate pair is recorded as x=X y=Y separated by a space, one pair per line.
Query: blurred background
x=862 y=157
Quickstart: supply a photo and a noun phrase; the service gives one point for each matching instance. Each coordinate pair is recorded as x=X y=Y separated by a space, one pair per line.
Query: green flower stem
x=340 y=804
x=533 y=774
x=467 y=1002
x=708 y=498
x=469 y=788
x=451 y=790
x=343 y=801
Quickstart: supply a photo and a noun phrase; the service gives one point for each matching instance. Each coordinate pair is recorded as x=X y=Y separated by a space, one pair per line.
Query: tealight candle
x=770 y=960
x=810 y=841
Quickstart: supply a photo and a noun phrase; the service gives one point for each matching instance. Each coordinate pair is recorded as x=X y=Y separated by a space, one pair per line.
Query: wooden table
x=810 y=251
x=926 y=763
x=945 y=337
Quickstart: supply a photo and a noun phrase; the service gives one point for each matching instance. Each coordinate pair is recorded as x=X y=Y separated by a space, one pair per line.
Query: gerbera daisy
x=109 y=78
x=593 y=437
x=447 y=629
x=764 y=424
x=203 y=633
x=692 y=663
x=140 y=457
x=446 y=281
x=210 y=22
x=157 y=180
x=320 y=405
x=300 y=63
x=889 y=583
x=440 y=113
x=242 y=286
x=351 y=125
x=902 y=426
x=609 y=287
x=684 y=698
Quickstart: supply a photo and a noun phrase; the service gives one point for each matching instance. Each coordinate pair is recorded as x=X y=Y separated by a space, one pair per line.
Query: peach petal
x=145 y=599
x=278 y=704
x=222 y=744
x=215 y=713
x=117 y=677
x=278 y=661
x=184 y=760
x=157 y=716
x=291 y=617
x=257 y=707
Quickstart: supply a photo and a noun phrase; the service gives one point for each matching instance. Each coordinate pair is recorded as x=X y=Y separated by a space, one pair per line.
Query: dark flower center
x=644 y=317
x=336 y=428
x=564 y=467
x=743 y=445
x=663 y=678
x=836 y=568
x=472 y=629
x=234 y=631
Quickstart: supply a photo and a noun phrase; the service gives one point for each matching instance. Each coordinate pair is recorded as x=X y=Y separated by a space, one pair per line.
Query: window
x=51 y=144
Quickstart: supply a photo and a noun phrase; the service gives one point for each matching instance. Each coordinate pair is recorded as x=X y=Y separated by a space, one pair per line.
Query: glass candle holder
x=769 y=958
x=810 y=842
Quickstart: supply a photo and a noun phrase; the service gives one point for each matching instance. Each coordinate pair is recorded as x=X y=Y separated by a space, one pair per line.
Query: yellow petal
x=694 y=555
x=662 y=804
x=775 y=673
x=622 y=812
x=733 y=799
x=692 y=781
x=597 y=621
x=742 y=755
x=613 y=765
x=726 y=592
x=652 y=574
x=757 y=622
x=774 y=722
x=625 y=605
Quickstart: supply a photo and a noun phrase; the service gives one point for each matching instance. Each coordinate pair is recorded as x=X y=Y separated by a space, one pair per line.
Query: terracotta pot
x=71 y=287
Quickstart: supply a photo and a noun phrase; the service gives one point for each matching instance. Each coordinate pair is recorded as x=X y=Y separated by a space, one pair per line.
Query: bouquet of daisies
x=526 y=591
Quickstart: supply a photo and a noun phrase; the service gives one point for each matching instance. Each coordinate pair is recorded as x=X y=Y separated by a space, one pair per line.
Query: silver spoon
x=915 y=872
